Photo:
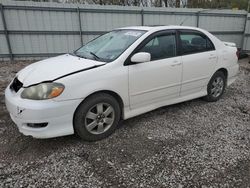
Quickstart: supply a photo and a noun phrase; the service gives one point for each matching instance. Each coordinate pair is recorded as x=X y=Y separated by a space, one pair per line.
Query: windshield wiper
x=72 y=53
x=78 y=55
x=95 y=56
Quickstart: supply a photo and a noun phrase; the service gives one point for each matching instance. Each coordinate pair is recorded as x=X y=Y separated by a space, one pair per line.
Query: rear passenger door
x=199 y=59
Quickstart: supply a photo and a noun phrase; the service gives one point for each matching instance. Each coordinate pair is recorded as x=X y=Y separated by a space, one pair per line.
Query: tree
x=228 y=4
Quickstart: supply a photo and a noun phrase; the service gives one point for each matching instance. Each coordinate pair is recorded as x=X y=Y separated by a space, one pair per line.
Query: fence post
x=244 y=32
x=198 y=19
x=80 y=24
x=6 y=33
x=142 y=17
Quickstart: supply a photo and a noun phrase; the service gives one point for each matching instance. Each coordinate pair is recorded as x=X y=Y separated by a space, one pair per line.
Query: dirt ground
x=192 y=144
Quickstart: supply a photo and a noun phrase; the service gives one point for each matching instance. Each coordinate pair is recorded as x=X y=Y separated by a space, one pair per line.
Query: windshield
x=109 y=46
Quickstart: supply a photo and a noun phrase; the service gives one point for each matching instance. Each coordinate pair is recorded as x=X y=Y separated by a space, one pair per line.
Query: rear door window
x=193 y=42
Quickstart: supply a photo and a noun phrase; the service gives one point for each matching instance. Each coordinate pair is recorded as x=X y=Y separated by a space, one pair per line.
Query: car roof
x=153 y=29
x=159 y=28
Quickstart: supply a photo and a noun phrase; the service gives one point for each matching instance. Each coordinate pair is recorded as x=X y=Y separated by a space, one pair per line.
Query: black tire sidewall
x=209 y=96
x=81 y=111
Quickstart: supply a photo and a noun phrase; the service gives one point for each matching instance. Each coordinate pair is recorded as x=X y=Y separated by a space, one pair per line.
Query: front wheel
x=216 y=87
x=97 y=117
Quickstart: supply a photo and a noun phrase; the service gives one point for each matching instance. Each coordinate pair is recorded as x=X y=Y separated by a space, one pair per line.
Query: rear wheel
x=97 y=117
x=216 y=87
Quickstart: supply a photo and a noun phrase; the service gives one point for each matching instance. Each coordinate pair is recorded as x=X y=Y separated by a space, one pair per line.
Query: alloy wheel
x=217 y=87
x=99 y=118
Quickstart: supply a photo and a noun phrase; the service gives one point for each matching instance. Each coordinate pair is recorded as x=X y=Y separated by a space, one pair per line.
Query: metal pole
x=244 y=33
x=248 y=6
x=6 y=33
x=80 y=24
x=142 y=17
x=198 y=19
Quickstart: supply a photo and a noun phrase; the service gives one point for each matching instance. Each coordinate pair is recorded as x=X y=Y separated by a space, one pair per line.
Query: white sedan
x=119 y=75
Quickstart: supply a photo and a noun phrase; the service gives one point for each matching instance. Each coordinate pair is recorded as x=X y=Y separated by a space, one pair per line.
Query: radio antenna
x=198 y=12
x=184 y=20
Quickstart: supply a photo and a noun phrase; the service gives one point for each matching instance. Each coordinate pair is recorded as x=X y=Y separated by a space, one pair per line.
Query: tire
x=216 y=87
x=97 y=117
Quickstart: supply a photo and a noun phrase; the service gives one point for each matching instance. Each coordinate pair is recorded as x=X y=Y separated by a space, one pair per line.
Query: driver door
x=160 y=78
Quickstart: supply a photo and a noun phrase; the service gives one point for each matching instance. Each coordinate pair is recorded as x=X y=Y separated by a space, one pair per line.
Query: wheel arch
x=224 y=71
x=113 y=94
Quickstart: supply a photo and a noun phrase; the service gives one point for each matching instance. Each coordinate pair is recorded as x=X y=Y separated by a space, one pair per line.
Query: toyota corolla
x=119 y=75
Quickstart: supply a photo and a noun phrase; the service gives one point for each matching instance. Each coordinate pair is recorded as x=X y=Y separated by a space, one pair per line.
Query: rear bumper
x=233 y=73
x=58 y=115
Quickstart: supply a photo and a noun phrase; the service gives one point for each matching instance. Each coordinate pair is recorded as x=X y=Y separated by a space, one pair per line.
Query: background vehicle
x=124 y=73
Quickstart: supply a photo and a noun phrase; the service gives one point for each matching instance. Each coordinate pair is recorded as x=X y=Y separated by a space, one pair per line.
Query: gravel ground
x=192 y=144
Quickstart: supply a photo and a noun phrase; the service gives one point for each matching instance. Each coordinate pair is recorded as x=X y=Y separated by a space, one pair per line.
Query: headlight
x=43 y=91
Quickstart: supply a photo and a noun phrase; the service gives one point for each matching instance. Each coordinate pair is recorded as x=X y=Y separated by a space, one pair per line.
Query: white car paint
x=195 y=81
x=52 y=68
x=141 y=87
x=145 y=89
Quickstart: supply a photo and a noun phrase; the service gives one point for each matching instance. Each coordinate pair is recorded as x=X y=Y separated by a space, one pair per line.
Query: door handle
x=212 y=56
x=176 y=63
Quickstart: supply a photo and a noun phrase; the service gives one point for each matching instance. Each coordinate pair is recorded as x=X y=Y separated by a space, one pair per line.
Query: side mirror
x=141 y=57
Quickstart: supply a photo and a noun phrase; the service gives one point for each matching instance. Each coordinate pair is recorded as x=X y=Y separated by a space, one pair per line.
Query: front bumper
x=58 y=115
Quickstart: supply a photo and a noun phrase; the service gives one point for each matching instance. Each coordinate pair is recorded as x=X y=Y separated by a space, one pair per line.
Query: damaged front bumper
x=41 y=119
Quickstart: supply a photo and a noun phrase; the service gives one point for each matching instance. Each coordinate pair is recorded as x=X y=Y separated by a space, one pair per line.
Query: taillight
x=238 y=54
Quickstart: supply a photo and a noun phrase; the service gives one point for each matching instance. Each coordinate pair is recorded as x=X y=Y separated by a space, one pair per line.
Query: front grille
x=16 y=85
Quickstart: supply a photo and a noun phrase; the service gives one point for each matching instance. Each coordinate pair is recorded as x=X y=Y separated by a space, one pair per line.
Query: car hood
x=54 y=68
